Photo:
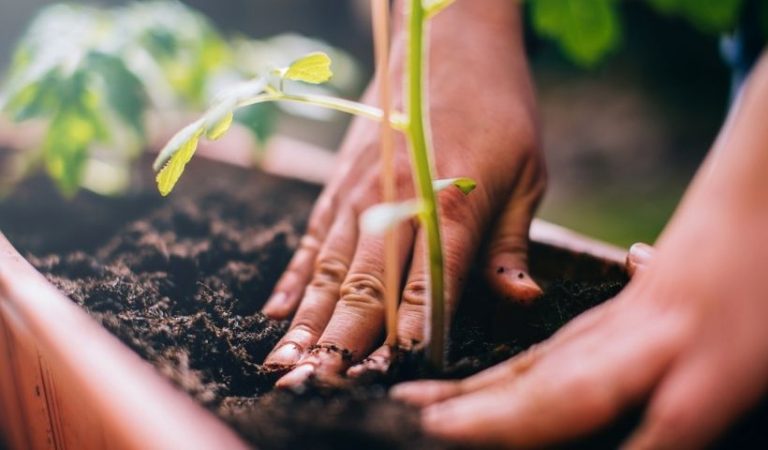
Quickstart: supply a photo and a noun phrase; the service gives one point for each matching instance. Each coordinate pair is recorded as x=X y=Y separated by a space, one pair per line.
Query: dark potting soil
x=181 y=282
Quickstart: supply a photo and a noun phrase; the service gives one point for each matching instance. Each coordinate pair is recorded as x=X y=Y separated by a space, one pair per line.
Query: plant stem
x=422 y=171
x=347 y=106
x=389 y=190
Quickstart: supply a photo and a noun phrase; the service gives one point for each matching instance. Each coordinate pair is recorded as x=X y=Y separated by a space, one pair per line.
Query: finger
x=460 y=237
x=507 y=269
x=599 y=373
x=423 y=393
x=358 y=319
x=378 y=361
x=290 y=287
x=696 y=402
x=320 y=295
x=638 y=258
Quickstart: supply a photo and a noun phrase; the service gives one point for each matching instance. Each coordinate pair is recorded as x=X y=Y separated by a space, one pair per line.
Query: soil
x=181 y=282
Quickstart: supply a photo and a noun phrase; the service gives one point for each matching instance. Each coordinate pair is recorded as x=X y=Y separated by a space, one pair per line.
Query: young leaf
x=465 y=185
x=433 y=7
x=219 y=128
x=585 y=30
x=124 y=90
x=65 y=146
x=314 y=68
x=218 y=119
x=380 y=218
x=180 y=150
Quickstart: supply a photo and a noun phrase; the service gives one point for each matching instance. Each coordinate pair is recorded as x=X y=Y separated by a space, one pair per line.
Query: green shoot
x=312 y=68
x=316 y=68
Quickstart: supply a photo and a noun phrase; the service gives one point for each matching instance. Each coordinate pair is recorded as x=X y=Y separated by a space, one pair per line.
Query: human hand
x=687 y=335
x=484 y=127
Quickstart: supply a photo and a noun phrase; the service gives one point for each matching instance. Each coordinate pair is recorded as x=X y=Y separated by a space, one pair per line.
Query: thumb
x=507 y=265
x=639 y=257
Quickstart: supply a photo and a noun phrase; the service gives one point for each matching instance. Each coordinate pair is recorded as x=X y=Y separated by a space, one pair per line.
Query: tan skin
x=688 y=334
x=333 y=287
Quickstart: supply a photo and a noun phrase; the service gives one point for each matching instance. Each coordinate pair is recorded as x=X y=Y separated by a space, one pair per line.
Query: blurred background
x=622 y=138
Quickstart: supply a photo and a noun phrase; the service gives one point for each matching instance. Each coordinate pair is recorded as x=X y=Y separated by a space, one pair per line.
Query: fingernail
x=275 y=303
x=641 y=254
x=296 y=376
x=524 y=289
x=401 y=391
x=286 y=355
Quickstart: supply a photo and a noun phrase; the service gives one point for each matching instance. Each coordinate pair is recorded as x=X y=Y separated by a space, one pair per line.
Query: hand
x=688 y=334
x=482 y=112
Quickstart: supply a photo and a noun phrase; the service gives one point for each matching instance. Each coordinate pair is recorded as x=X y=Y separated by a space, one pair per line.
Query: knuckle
x=508 y=243
x=309 y=241
x=329 y=272
x=363 y=290
x=301 y=330
x=415 y=294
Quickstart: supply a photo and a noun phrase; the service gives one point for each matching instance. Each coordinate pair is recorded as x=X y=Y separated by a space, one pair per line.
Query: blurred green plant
x=93 y=74
x=588 y=30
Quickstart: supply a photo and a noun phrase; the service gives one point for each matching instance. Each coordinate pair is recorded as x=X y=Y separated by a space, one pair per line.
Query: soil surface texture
x=181 y=281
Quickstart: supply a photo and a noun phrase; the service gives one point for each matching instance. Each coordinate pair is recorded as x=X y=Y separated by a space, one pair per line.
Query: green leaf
x=586 y=30
x=260 y=119
x=314 y=68
x=378 y=219
x=65 y=148
x=218 y=129
x=37 y=99
x=180 y=150
x=433 y=7
x=218 y=118
x=708 y=16
x=124 y=92
x=465 y=185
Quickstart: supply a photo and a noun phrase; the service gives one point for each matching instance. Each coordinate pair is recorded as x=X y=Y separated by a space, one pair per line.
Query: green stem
x=422 y=172
x=359 y=109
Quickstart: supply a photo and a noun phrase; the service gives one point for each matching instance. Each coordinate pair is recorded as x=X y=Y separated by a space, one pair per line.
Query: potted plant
x=200 y=269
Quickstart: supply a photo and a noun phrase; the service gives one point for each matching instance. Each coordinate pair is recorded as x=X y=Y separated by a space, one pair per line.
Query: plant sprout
x=413 y=123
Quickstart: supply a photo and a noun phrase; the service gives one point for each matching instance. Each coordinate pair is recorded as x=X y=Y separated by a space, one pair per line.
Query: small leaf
x=313 y=68
x=380 y=218
x=433 y=7
x=177 y=152
x=124 y=91
x=219 y=128
x=465 y=185
x=585 y=30
x=65 y=147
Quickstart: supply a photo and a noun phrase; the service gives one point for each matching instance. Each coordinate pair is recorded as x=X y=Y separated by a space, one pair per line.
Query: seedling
x=413 y=123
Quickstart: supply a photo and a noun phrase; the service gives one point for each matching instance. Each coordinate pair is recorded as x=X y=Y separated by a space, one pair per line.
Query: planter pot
x=66 y=382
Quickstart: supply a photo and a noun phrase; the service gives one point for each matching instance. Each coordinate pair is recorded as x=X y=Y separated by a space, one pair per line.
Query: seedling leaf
x=314 y=68
x=586 y=31
x=180 y=150
x=220 y=127
x=378 y=219
x=433 y=7
x=465 y=185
